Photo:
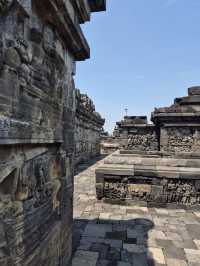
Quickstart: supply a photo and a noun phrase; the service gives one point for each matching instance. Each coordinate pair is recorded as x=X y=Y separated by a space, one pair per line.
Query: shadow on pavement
x=82 y=166
x=112 y=242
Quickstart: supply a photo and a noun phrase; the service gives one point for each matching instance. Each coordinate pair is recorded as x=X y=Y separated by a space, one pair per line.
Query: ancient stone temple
x=159 y=164
x=40 y=41
x=179 y=124
x=88 y=129
x=135 y=133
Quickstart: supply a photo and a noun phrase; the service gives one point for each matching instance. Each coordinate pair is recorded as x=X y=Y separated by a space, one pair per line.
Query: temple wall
x=134 y=133
x=88 y=128
x=159 y=165
x=180 y=139
x=109 y=145
x=40 y=41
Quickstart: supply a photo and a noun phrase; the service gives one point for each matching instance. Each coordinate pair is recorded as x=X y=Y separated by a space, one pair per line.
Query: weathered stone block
x=40 y=42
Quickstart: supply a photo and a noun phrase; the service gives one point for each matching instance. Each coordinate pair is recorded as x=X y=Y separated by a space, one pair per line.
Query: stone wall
x=40 y=41
x=134 y=133
x=174 y=129
x=88 y=129
x=165 y=177
x=109 y=145
x=179 y=124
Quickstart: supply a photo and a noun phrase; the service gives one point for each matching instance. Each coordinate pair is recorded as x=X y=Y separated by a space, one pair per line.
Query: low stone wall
x=88 y=128
x=109 y=145
x=150 y=179
x=159 y=164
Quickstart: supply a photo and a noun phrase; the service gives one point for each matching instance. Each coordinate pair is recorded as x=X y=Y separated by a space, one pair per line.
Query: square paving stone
x=126 y=256
x=118 y=235
x=164 y=243
x=188 y=243
x=121 y=263
x=132 y=248
x=193 y=230
x=97 y=230
x=119 y=227
x=173 y=236
x=176 y=262
x=192 y=255
x=102 y=263
x=85 y=258
x=114 y=254
x=113 y=243
x=140 y=259
x=133 y=233
x=157 y=255
x=102 y=249
x=142 y=240
x=197 y=243
x=131 y=241
x=175 y=253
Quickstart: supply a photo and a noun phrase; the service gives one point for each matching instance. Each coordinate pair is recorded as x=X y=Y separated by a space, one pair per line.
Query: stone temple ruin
x=40 y=41
x=88 y=129
x=157 y=164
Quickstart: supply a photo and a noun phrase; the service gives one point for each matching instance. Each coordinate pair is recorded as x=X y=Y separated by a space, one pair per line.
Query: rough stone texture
x=161 y=170
x=149 y=179
x=134 y=133
x=39 y=44
x=109 y=144
x=88 y=128
x=180 y=123
x=131 y=235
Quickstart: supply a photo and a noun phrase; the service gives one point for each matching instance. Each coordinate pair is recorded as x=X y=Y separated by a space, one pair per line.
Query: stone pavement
x=114 y=235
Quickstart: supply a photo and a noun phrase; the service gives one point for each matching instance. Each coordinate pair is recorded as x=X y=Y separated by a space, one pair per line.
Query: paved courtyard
x=109 y=235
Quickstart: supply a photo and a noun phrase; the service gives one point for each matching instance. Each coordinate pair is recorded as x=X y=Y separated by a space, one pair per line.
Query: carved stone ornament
x=5 y=5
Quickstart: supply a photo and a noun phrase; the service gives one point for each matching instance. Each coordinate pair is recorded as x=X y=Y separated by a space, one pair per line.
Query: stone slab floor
x=109 y=235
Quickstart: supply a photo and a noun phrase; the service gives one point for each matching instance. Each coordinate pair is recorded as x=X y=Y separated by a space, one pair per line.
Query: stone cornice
x=82 y=8
x=70 y=31
x=97 y=5
x=92 y=117
x=159 y=118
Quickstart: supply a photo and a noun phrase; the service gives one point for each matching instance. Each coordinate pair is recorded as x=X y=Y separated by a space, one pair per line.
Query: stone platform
x=151 y=179
x=115 y=235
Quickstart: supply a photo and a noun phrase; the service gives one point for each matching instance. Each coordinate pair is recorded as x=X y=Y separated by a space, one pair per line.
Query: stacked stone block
x=166 y=174
x=88 y=128
x=40 y=41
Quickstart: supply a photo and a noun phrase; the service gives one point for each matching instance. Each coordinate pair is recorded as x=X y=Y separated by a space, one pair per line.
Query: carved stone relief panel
x=176 y=139
x=183 y=192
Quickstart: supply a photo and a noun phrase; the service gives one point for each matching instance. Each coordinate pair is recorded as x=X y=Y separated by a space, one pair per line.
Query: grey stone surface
x=134 y=133
x=40 y=42
x=88 y=128
x=164 y=236
x=164 y=157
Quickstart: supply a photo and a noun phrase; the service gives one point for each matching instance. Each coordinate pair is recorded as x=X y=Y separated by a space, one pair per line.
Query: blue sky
x=143 y=54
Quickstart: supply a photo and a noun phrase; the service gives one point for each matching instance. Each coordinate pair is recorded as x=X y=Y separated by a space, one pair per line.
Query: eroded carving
x=166 y=191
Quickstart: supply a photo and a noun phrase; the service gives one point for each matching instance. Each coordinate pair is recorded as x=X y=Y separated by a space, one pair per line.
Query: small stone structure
x=40 y=41
x=134 y=133
x=164 y=174
x=109 y=145
x=88 y=128
x=179 y=124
